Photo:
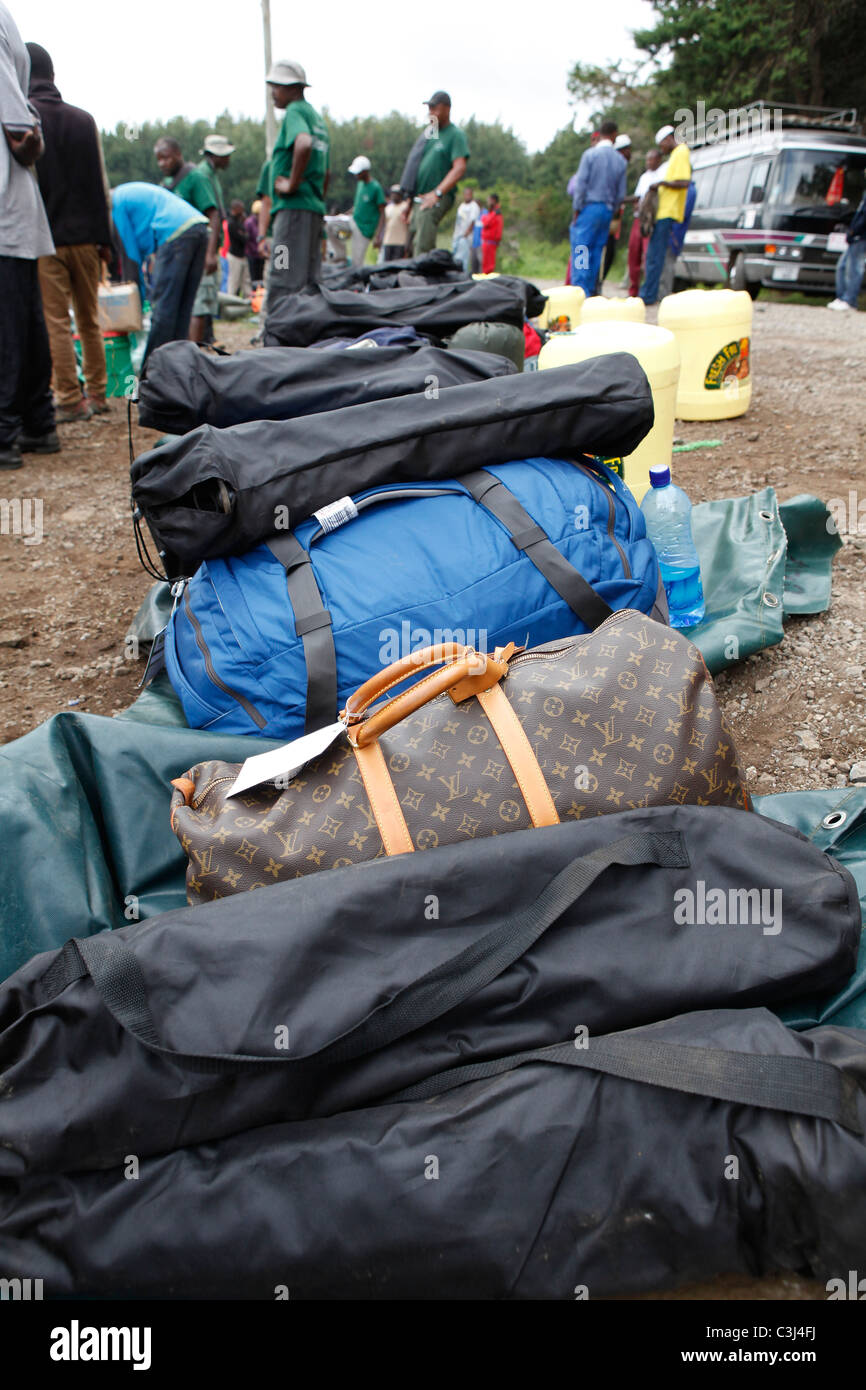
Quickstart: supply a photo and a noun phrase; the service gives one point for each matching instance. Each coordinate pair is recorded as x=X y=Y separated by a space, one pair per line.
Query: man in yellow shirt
x=671 y=208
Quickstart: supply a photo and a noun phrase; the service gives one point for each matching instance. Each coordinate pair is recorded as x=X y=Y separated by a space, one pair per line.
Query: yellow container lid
x=655 y=348
x=705 y=308
x=599 y=309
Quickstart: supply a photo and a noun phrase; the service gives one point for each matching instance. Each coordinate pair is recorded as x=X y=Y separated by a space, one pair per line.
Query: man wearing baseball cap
x=299 y=182
x=216 y=152
x=433 y=170
x=197 y=185
x=369 y=210
x=671 y=208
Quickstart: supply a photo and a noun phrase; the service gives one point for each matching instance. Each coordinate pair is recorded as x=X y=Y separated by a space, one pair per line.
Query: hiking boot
x=10 y=456
x=39 y=443
x=68 y=414
x=98 y=405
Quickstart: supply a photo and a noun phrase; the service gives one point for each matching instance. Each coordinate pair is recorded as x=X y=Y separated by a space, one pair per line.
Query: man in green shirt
x=442 y=166
x=199 y=185
x=216 y=153
x=299 y=181
x=369 y=210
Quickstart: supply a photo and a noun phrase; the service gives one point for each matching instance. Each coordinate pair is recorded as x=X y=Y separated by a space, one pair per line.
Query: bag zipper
x=197 y=800
x=242 y=700
x=581 y=637
x=611 y=515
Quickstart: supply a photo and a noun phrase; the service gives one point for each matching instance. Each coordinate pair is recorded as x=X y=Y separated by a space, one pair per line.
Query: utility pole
x=270 y=116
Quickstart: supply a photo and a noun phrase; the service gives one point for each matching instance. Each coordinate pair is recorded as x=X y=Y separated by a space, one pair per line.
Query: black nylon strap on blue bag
x=118 y=978
x=797 y=1085
x=313 y=626
x=534 y=541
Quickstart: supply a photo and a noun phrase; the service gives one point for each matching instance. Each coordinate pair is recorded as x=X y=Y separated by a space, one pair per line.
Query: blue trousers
x=588 y=237
x=655 y=259
x=849 y=272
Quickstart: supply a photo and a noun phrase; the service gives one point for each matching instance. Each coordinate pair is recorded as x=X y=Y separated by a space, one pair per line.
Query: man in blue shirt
x=151 y=221
x=598 y=192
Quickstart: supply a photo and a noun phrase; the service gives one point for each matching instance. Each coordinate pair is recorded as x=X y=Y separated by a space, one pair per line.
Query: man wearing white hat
x=299 y=182
x=369 y=210
x=677 y=176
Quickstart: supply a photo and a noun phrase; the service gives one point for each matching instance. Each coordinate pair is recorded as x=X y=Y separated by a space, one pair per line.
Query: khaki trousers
x=73 y=274
x=239 y=276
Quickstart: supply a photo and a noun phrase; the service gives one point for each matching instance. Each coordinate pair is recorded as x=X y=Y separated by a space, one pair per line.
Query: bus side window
x=731 y=183
x=758 y=181
x=705 y=178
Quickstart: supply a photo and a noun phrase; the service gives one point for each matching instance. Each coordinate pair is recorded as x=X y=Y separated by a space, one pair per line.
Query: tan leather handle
x=462 y=664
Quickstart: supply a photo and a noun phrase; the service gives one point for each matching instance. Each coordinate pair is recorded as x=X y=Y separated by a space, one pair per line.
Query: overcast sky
x=130 y=62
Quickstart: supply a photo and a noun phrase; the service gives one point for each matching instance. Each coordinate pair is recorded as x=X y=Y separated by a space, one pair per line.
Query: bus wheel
x=737 y=278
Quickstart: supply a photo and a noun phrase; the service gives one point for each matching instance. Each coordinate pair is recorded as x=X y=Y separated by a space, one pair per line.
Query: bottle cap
x=660 y=475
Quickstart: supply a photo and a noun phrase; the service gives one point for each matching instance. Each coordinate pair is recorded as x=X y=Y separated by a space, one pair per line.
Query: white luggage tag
x=336 y=514
x=285 y=762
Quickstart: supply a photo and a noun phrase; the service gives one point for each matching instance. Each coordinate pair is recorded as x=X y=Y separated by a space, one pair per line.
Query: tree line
x=723 y=54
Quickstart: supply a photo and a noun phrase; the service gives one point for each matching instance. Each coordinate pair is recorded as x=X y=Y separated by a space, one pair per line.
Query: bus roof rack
x=764 y=115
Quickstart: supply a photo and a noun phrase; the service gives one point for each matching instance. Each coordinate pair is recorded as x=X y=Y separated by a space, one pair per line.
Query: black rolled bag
x=437 y=266
x=297 y=320
x=439 y=1100
x=217 y=492
x=182 y=387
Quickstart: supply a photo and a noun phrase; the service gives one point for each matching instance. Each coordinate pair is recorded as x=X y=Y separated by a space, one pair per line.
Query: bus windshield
x=822 y=184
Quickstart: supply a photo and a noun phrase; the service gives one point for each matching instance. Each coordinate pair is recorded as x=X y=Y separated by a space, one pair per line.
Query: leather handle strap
x=461 y=665
x=392 y=675
x=383 y=799
x=518 y=750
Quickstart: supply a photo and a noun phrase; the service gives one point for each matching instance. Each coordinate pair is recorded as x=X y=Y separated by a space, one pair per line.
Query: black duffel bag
x=217 y=492
x=485 y=948
x=182 y=387
x=301 y=1064
x=435 y=310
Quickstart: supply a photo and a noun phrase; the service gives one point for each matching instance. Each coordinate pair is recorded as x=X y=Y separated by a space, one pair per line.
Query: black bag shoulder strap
x=118 y=978
x=313 y=626
x=531 y=538
x=797 y=1085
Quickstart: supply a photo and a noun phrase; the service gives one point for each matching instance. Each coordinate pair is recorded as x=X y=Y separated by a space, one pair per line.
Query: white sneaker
x=838 y=304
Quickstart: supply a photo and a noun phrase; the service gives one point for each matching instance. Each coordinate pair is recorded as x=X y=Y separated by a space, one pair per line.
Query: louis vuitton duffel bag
x=623 y=717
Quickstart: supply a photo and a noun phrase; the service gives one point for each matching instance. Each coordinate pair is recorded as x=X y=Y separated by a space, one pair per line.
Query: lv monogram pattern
x=620 y=718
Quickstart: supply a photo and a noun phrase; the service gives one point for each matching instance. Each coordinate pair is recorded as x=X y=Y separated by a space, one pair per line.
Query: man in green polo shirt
x=369 y=210
x=199 y=185
x=442 y=166
x=299 y=181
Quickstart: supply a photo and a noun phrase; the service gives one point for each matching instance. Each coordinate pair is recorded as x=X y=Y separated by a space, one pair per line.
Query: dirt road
x=70 y=583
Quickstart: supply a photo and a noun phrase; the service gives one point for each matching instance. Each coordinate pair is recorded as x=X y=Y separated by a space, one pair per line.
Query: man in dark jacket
x=72 y=180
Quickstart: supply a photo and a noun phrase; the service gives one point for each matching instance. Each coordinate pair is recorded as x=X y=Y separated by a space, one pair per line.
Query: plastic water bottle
x=667 y=510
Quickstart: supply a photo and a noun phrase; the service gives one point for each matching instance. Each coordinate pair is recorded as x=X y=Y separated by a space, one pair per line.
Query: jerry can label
x=730 y=364
x=615 y=465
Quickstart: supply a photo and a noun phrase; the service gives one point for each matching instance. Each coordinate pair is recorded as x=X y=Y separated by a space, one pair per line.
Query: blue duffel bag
x=274 y=641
